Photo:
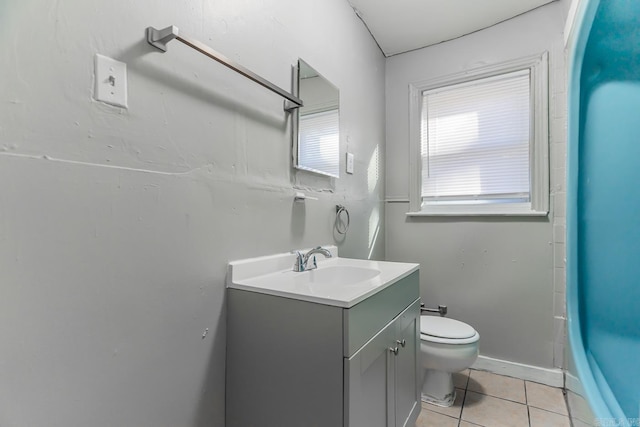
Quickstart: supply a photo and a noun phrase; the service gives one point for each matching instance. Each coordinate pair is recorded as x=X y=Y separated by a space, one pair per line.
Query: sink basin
x=331 y=280
x=337 y=281
x=335 y=275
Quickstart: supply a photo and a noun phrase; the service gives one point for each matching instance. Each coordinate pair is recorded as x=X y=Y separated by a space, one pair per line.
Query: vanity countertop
x=341 y=282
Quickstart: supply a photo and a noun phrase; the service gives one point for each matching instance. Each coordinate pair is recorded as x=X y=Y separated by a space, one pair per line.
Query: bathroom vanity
x=335 y=346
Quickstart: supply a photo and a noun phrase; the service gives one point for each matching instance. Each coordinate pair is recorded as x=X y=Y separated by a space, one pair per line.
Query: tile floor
x=490 y=400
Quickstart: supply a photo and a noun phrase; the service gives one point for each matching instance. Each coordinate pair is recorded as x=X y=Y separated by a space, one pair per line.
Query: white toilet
x=447 y=346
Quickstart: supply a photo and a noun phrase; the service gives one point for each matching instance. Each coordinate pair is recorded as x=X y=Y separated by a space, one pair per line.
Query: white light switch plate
x=350 y=161
x=111 y=81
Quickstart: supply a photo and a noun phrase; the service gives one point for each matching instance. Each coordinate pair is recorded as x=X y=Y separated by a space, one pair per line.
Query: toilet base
x=437 y=388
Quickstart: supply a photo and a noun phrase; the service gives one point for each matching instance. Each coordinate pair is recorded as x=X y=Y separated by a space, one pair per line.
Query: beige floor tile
x=428 y=418
x=540 y=418
x=580 y=409
x=453 y=410
x=468 y=424
x=497 y=386
x=579 y=423
x=493 y=412
x=460 y=379
x=545 y=397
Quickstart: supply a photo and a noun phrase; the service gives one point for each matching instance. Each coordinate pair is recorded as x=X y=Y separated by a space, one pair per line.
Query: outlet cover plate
x=350 y=160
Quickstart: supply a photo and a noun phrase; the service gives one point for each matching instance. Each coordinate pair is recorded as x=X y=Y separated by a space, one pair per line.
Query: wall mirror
x=317 y=148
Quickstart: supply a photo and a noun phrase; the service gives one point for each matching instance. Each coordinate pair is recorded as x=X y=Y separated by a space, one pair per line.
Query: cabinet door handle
x=402 y=342
x=394 y=350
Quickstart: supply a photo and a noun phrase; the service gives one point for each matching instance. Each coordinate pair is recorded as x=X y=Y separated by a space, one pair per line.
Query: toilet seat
x=446 y=331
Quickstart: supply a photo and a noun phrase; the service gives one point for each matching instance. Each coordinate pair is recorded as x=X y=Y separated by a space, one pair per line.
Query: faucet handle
x=299 y=264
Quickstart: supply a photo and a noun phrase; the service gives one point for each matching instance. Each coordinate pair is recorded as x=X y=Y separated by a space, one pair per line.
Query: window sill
x=479 y=210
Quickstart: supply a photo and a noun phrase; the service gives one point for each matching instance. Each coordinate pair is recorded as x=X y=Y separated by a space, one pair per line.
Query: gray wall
x=495 y=273
x=116 y=225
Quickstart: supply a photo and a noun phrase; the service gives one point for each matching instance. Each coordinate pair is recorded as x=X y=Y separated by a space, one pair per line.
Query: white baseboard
x=551 y=377
x=574 y=384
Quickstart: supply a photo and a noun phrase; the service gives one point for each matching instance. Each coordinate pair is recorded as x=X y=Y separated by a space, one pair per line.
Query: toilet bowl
x=447 y=346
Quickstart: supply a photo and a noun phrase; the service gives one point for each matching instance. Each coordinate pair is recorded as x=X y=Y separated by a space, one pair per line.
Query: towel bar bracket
x=160 y=38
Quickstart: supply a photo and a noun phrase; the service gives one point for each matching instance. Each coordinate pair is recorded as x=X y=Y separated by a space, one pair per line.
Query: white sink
x=342 y=282
x=335 y=275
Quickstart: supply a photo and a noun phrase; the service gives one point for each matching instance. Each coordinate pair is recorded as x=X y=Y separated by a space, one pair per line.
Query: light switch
x=111 y=81
x=350 y=162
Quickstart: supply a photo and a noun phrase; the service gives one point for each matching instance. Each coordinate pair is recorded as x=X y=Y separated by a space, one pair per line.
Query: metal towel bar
x=160 y=38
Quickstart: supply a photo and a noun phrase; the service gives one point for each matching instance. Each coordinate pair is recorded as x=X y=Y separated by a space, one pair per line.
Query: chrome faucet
x=303 y=260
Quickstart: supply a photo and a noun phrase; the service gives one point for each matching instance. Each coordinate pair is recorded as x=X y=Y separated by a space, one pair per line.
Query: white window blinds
x=475 y=141
x=319 y=142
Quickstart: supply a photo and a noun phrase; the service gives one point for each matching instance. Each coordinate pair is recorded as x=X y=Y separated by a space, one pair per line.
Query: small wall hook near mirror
x=301 y=197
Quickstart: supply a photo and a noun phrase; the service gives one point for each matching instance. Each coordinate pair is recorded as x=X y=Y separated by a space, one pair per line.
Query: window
x=480 y=141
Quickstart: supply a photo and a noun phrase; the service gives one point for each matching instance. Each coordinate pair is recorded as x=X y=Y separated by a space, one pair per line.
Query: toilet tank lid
x=443 y=327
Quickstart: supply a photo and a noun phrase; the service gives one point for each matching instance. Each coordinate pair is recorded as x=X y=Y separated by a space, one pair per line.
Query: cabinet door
x=369 y=383
x=406 y=367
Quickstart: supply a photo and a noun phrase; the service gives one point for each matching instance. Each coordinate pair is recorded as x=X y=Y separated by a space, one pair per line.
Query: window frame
x=538 y=142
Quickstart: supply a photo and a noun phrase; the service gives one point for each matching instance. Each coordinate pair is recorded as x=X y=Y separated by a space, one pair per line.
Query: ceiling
x=403 y=25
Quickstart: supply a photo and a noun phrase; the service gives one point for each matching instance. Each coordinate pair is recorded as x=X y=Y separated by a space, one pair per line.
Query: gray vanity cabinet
x=368 y=374
x=382 y=377
x=408 y=369
x=293 y=363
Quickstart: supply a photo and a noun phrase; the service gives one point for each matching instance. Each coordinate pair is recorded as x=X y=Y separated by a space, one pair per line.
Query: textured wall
x=116 y=225
x=495 y=273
